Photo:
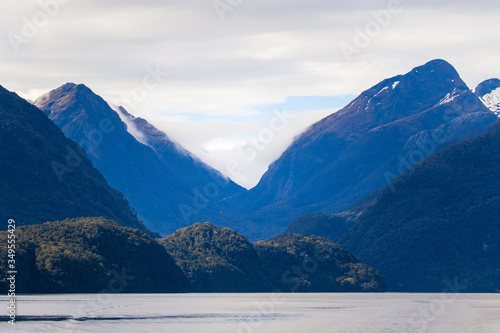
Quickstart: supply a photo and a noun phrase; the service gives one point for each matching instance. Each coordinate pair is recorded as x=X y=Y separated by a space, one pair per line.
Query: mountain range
x=328 y=168
x=357 y=150
x=405 y=177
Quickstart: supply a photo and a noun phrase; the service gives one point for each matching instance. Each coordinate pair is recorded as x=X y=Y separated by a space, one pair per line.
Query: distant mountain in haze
x=167 y=186
x=45 y=177
x=330 y=226
x=489 y=93
x=358 y=149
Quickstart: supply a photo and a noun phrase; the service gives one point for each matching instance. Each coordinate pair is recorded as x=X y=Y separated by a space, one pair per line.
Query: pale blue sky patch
x=308 y=103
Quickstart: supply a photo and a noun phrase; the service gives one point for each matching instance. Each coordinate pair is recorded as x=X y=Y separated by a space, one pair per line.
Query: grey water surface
x=221 y=313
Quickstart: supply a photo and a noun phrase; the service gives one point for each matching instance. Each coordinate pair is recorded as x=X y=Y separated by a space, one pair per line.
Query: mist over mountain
x=44 y=176
x=167 y=186
x=358 y=149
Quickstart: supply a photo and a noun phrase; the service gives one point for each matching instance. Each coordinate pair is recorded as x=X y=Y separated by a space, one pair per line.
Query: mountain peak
x=487 y=86
x=441 y=70
x=388 y=101
x=76 y=102
x=160 y=178
x=69 y=87
x=28 y=138
x=437 y=64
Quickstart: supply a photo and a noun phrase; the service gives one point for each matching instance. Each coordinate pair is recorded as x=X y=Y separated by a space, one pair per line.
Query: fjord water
x=221 y=313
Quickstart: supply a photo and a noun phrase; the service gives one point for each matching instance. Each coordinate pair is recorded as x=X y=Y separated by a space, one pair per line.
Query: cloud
x=263 y=52
x=251 y=145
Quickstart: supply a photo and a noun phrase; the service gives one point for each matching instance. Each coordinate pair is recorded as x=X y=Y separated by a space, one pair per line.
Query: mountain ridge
x=168 y=188
x=45 y=176
x=358 y=149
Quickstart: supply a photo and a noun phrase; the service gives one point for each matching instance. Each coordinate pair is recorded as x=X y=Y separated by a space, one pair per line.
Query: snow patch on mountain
x=383 y=89
x=450 y=97
x=492 y=101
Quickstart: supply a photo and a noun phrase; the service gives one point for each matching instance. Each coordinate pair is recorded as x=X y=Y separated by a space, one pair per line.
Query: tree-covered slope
x=314 y=264
x=44 y=176
x=90 y=255
x=221 y=260
x=437 y=222
x=216 y=259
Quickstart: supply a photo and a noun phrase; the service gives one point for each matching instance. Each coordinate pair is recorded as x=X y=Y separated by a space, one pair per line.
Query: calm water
x=285 y=313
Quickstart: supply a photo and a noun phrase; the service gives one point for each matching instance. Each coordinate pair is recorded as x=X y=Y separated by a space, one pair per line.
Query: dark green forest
x=216 y=259
x=438 y=222
x=219 y=260
x=297 y=263
x=90 y=255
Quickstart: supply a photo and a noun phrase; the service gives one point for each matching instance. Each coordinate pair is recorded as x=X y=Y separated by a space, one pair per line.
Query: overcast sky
x=213 y=74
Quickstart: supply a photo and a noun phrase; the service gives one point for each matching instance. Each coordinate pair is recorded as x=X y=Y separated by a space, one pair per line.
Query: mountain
x=358 y=149
x=90 y=255
x=330 y=226
x=44 y=176
x=167 y=186
x=438 y=223
x=221 y=260
x=489 y=93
